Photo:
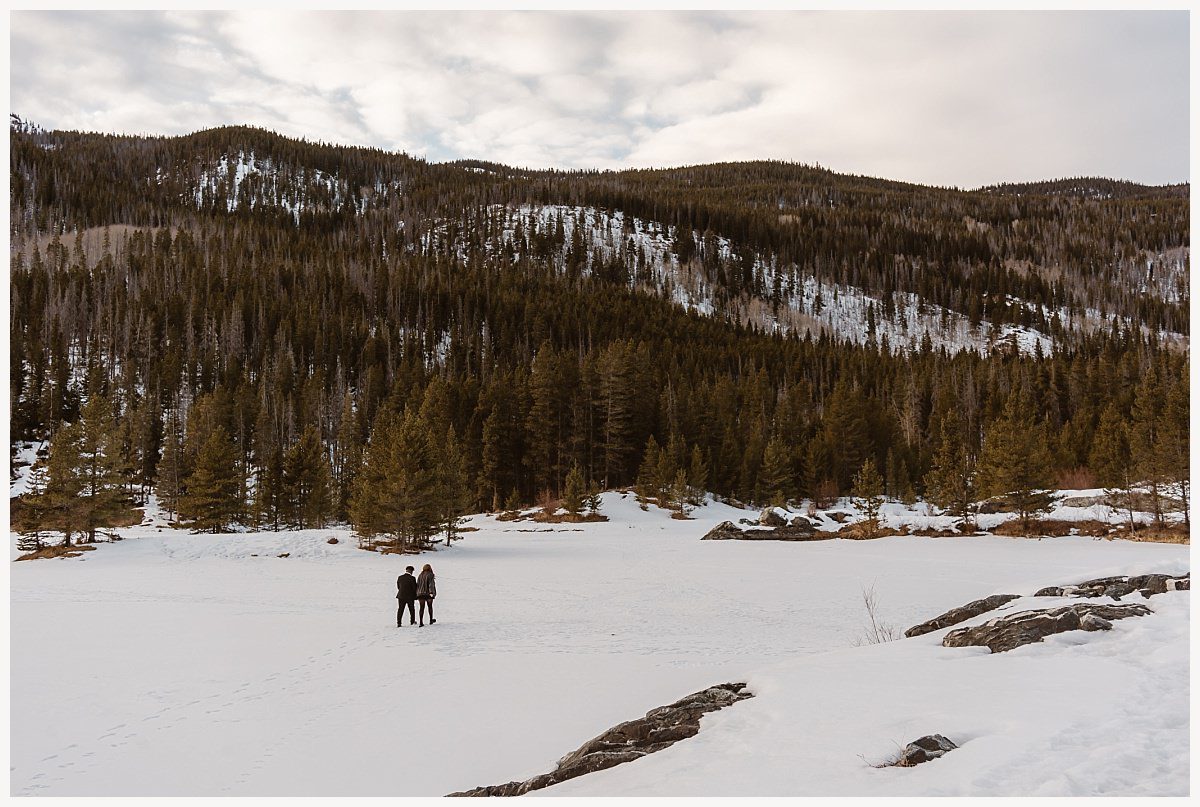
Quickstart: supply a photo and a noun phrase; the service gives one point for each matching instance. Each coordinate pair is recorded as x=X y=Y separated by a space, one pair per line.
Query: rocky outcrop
x=961 y=614
x=660 y=728
x=924 y=749
x=1082 y=501
x=800 y=529
x=725 y=531
x=1117 y=587
x=1009 y=632
x=771 y=518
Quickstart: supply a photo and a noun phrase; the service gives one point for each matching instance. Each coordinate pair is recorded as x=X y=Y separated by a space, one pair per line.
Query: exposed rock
x=724 y=531
x=771 y=518
x=1117 y=587
x=660 y=728
x=995 y=506
x=332 y=541
x=1083 y=501
x=1008 y=632
x=799 y=530
x=924 y=749
x=961 y=614
x=1094 y=622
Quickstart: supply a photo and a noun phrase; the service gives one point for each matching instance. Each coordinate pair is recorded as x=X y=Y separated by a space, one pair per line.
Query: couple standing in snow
x=409 y=589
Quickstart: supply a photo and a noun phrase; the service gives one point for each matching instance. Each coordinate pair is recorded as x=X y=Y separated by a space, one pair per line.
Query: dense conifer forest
x=276 y=333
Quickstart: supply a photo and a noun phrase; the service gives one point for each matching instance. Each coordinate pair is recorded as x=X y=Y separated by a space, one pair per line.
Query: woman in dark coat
x=426 y=591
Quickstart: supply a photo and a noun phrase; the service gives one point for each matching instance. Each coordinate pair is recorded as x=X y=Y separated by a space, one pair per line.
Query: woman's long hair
x=427 y=568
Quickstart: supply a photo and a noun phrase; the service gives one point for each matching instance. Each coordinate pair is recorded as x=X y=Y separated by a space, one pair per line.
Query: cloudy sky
x=949 y=98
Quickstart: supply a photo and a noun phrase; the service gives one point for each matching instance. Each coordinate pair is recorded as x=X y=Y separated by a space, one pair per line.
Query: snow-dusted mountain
x=774 y=246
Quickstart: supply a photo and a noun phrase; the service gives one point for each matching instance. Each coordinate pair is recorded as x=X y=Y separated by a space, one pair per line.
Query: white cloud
x=949 y=98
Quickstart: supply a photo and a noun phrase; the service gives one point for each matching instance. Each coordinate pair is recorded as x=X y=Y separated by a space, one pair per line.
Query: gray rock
x=1094 y=622
x=1009 y=632
x=724 y=531
x=659 y=729
x=1180 y=583
x=1049 y=591
x=924 y=749
x=770 y=518
x=1117 y=587
x=961 y=614
x=798 y=530
x=1083 y=501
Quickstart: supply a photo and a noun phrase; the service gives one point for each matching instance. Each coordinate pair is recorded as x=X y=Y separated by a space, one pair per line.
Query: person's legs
x=399 y=611
x=412 y=612
x=431 y=619
x=422 y=622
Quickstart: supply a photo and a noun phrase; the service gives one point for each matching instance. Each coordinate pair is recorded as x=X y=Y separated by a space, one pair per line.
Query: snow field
x=179 y=664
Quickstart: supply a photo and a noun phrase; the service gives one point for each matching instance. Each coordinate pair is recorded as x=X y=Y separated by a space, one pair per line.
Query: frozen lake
x=173 y=664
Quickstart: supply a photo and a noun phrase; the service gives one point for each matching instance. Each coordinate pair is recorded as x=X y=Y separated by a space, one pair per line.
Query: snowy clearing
x=179 y=664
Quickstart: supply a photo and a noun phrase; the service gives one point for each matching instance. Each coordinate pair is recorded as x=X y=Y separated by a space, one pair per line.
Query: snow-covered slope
x=779 y=298
x=246 y=180
x=179 y=664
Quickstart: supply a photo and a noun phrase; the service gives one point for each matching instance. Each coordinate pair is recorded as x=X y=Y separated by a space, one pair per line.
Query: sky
x=943 y=98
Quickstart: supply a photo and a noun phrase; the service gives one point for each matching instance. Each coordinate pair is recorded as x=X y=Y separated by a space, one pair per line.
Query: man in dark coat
x=406 y=593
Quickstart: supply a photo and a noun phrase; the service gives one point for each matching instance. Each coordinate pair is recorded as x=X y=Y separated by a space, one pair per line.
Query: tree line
x=249 y=371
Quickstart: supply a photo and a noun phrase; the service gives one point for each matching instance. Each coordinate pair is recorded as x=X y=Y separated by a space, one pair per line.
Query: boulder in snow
x=924 y=749
x=724 y=531
x=628 y=741
x=960 y=614
x=771 y=518
x=1009 y=632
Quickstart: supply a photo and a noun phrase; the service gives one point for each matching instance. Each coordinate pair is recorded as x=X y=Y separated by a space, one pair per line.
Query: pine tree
x=1174 y=445
x=397 y=491
x=951 y=482
x=592 y=501
x=171 y=471
x=1109 y=460
x=697 y=477
x=1151 y=467
x=103 y=496
x=213 y=490
x=868 y=494
x=544 y=424
x=34 y=504
x=347 y=455
x=270 y=497
x=574 y=491
x=454 y=495
x=776 y=480
x=680 y=493
x=306 y=482
x=1014 y=463
x=649 y=477
x=64 y=482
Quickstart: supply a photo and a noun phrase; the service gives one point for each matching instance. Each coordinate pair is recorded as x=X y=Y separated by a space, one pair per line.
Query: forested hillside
x=271 y=331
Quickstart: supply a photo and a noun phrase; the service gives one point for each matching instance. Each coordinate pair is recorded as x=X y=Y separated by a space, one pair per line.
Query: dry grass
x=1054 y=528
x=542 y=517
x=862 y=531
x=73 y=551
x=1166 y=534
